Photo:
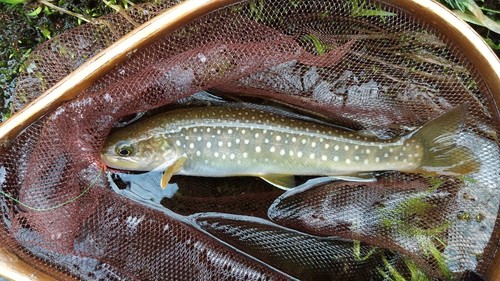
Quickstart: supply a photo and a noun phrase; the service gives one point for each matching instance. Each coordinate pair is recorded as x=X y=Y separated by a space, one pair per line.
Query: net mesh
x=360 y=64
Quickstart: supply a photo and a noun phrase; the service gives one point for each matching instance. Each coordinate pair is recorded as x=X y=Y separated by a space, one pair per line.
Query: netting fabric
x=364 y=65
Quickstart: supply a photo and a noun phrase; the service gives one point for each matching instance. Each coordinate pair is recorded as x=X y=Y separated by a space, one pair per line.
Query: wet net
x=364 y=65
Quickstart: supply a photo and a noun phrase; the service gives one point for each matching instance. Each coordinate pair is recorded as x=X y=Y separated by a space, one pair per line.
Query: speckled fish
x=228 y=141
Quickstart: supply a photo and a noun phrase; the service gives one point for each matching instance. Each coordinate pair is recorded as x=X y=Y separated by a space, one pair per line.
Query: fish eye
x=124 y=149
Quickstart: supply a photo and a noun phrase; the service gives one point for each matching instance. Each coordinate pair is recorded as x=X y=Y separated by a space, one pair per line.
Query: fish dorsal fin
x=360 y=177
x=284 y=182
x=171 y=170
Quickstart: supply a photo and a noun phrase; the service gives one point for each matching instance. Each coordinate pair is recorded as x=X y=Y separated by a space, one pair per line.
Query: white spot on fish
x=311 y=156
x=368 y=151
x=229 y=131
x=266 y=140
x=229 y=144
x=198 y=138
x=299 y=154
x=366 y=161
x=191 y=145
x=272 y=149
x=356 y=147
x=246 y=141
x=209 y=144
x=346 y=148
x=232 y=156
x=256 y=135
x=327 y=146
x=391 y=150
x=178 y=142
x=356 y=157
x=348 y=161
x=198 y=153
x=257 y=149
x=324 y=158
x=417 y=146
x=208 y=130
x=282 y=152
x=223 y=156
x=336 y=158
x=313 y=144
x=380 y=146
x=243 y=131
x=386 y=155
x=245 y=155
x=377 y=159
x=237 y=141
x=304 y=141
x=294 y=139
x=396 y=157
x=216 y=154
x=278 y=138
x=290 y=153
x=220 y=143
x=187 y=137
x=218 y=132
x=336 y=147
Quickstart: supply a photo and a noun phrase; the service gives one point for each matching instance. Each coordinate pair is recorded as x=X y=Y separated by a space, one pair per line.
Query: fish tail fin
x=442 y=155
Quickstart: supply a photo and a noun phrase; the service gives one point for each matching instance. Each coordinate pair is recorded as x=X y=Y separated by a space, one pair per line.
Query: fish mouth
x=120 y=163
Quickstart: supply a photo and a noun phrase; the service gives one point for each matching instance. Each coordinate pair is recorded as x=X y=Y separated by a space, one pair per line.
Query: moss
x=25 y=25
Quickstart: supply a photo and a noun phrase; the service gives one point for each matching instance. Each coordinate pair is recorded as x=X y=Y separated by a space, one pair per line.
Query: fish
x=223 y=141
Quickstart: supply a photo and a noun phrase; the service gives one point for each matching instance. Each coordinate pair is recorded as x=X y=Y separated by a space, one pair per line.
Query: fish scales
x=227 y=141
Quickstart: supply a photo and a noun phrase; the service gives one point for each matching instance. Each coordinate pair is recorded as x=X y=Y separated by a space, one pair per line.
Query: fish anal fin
x=171 y=170
x=284 y=182
x=359 y=177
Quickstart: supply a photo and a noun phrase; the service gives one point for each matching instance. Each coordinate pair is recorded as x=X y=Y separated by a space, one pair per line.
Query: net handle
x=13 y=268
x=81 y=78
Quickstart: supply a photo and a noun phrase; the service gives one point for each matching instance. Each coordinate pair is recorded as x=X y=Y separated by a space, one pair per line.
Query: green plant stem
x=64 y=11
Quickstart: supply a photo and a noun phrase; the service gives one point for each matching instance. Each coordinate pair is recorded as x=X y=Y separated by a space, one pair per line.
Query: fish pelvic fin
x=171 y=170
x=442 y=155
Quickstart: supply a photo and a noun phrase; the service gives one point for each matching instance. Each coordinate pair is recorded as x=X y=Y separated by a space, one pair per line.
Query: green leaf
x=36 y=12
x=13 y=2
x=492 y=44
x=378 y=13
x=357 y=252
x=45 y=32
x=319 y=46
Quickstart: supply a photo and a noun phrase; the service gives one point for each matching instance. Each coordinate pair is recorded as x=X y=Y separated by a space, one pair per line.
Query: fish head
x=138 y=155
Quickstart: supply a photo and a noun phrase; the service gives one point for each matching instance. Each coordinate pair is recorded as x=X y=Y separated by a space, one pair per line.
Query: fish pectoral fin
x=284 y=182
x=360 y=177
x=171 y=170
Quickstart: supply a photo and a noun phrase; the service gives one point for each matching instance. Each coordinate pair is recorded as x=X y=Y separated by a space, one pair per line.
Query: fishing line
x=9 y=196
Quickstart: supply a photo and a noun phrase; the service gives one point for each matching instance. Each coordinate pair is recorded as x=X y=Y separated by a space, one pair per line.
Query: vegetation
x=24 y=24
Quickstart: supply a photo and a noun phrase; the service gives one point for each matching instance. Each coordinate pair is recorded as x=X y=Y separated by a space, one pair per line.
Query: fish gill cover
x=358 y=64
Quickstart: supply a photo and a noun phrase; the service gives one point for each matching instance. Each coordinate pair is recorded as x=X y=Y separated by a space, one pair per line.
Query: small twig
x=64 y=11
